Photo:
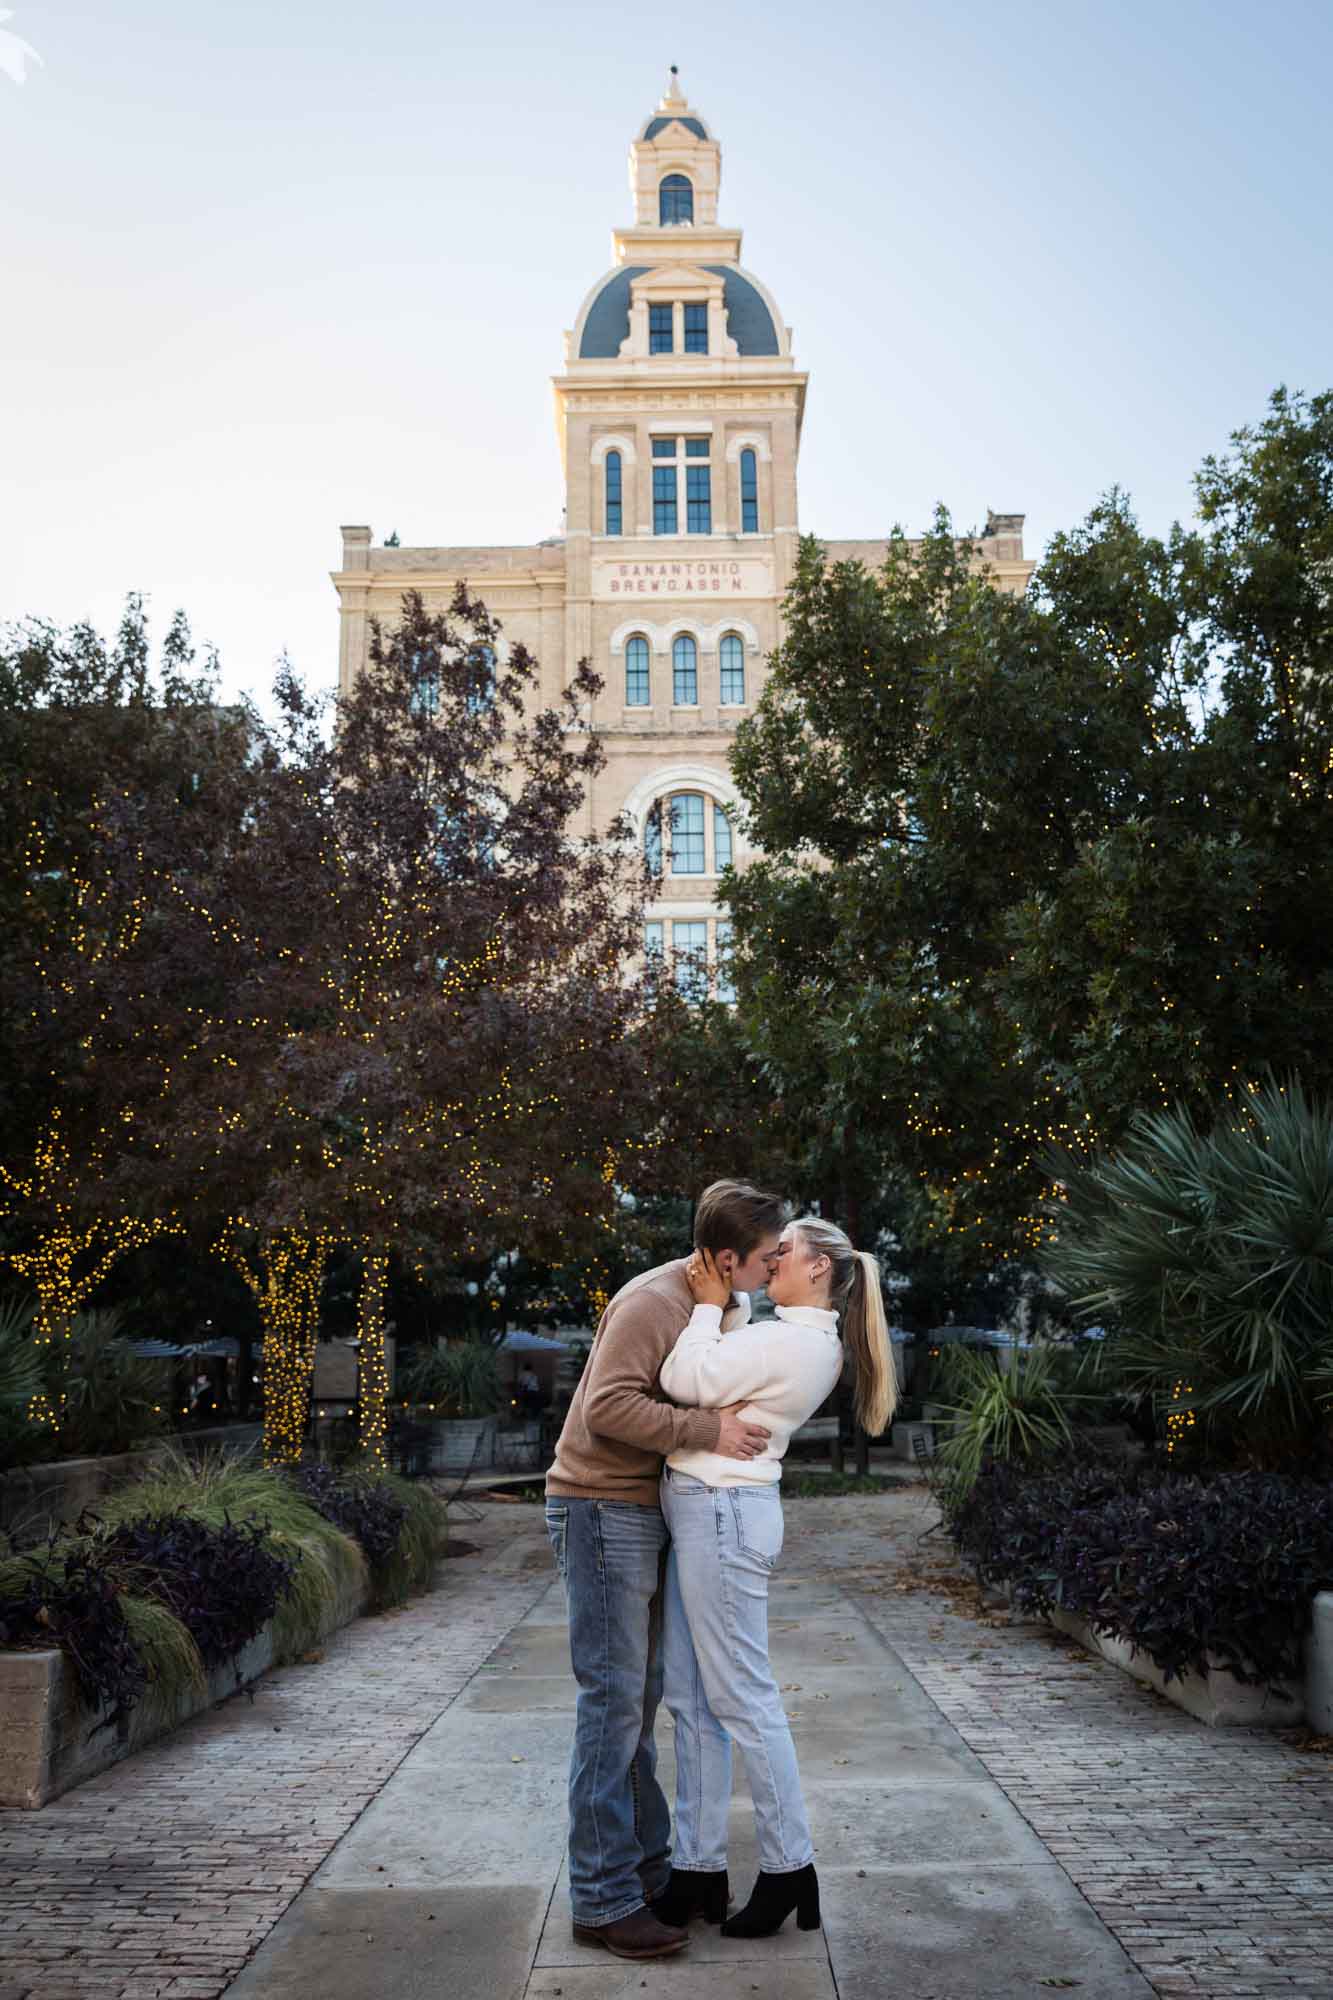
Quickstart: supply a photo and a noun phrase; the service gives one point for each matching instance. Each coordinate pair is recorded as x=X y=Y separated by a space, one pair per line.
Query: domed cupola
x=677 y=289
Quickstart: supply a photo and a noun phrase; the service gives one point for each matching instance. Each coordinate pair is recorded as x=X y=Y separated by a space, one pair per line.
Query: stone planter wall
x=36 y=1498
x=50 y=1742
x=1218 y=1698
x=1319 y=1667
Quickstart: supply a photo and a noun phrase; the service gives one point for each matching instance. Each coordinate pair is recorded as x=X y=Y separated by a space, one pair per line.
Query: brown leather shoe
x=638 y=1935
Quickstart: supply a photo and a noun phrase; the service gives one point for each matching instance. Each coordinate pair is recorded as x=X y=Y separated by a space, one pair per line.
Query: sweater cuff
x=702 y=1429
x=705 y=1319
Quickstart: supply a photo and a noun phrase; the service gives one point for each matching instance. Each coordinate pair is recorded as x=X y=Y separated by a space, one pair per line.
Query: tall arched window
x=685 y=672
x=687 y=834
x=614 y=515
x=652 y=839
x=731 y=669
x=638 y=692
x=675 y=200
x=749 y=494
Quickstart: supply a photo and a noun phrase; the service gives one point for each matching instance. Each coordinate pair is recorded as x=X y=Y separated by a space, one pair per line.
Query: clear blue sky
x=272 y=268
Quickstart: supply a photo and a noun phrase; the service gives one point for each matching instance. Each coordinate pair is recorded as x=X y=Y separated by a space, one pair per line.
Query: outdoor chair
x=454 y=1501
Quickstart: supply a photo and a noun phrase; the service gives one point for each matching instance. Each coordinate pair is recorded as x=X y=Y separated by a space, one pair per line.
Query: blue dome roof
x=749 y=321
x=656 y=125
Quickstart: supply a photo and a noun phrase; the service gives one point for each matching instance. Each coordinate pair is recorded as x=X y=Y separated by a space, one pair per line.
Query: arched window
x=685 y=672
x=687 y=834
x=749 y=494
x=731 y=669
x=675 y=835
x=721 y=840
x=675 y=200
x=614 y=514
x=638 y=692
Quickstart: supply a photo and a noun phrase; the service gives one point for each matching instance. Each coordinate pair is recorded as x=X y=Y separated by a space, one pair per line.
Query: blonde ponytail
x=866 y=1332
x=855 y=1291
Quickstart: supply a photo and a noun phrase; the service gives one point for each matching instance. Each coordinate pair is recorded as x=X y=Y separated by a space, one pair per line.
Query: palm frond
x=1211 y=1255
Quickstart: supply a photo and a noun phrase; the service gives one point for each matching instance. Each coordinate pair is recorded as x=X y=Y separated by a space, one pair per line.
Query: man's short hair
x=732 y=1215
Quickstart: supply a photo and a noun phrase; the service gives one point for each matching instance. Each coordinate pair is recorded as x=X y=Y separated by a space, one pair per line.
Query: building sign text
x=691 y=576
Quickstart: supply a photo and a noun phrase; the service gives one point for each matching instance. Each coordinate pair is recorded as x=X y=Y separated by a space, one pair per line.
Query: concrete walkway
x=451 y=1883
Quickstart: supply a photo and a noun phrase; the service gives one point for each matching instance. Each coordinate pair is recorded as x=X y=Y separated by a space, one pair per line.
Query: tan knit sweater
x=620 y=1425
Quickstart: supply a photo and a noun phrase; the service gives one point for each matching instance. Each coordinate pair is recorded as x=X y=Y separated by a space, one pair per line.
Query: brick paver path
x=1207 y=1852
x=159 y=1879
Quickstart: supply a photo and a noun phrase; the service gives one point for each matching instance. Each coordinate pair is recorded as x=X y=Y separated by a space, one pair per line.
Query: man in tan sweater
x=605 y=1523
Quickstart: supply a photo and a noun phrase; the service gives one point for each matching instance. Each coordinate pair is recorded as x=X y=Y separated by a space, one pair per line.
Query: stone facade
x=679 y=418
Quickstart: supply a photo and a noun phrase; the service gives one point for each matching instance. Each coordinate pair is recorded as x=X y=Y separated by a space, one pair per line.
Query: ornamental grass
x=421 y=1543
x=329 y=1568
x=181 y=1569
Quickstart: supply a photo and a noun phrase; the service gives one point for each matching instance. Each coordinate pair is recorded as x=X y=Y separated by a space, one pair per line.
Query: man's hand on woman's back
x=737 y=1438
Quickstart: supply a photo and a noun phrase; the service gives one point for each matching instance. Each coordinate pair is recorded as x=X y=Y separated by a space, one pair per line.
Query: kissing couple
x=663 y=1509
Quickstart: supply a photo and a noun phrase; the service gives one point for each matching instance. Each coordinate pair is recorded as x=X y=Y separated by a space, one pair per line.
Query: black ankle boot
x=772 y=1901
x=693 y=1892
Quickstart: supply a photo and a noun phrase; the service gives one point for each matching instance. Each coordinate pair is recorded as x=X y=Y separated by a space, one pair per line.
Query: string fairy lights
x=1180 y=1417
x=367 y=1058
x=55 y=1266
x=285 y=1275
x=372 y=1360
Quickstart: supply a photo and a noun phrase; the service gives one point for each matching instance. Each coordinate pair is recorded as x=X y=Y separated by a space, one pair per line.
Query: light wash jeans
x=610 y=1558
x=719 y=1687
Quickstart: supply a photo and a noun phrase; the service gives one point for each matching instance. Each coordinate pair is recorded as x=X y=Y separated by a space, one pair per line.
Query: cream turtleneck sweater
x=781 y=1370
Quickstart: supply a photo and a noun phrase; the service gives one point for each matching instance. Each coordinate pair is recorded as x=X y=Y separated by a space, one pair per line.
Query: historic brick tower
x=679 y=414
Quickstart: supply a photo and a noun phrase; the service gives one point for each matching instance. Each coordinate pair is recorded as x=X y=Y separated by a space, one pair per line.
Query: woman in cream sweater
x=725 y=1520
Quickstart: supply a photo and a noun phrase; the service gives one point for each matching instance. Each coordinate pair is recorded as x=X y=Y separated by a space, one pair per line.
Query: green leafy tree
x=867 y=930
x=1033 y=864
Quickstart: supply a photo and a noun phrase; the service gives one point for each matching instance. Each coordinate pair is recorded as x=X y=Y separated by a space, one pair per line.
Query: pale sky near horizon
x=268 y=269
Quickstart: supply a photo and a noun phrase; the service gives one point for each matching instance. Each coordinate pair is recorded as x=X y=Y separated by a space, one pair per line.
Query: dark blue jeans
x=611 y=1557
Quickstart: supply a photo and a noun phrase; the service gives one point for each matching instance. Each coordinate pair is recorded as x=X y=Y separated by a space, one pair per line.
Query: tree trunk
x=286 y=1277
x=373 y=1400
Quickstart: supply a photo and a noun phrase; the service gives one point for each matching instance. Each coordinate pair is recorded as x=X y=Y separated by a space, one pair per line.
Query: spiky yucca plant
x=1021 y=1413
x=1209 y=1254
x=461 y=1380
x=108 y=1398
